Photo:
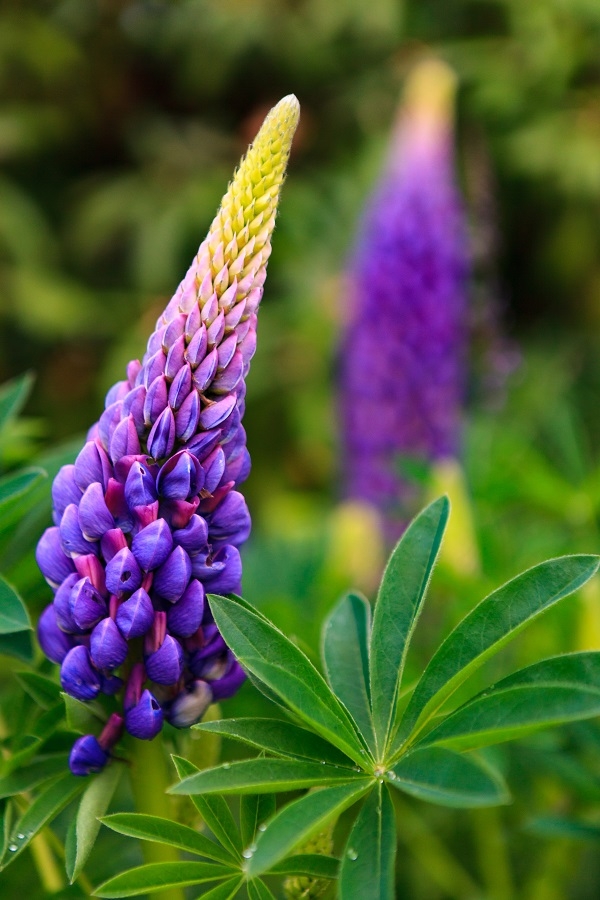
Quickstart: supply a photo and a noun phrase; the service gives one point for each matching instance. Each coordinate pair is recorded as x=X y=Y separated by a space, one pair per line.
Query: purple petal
x=108 y=421
x=154 y=367
x=216 y=413
x=86 y=605
x=165 y=665
x=123 y=573
x=228 y=580
x=133 y=405
x=193 y=322
x=94 y=515
x=193 y=537
x=108 y=648
x=239 y=468
x=117 y=504
x=181 y=477
x=156 y=400
x=226 y=686
x=145 y=719
x=229 y=378
x=72 y=539
x=152 y=545
x=173 y=331
x=230 y=521
x=175 y=357
x=171 y=579
x=161 y=439
x=89 y=566
x=111 y=542
x=62 y=605
x=135 y=616
x=189 y=706
x=140 y=489
x=181 y=387
x=185 y=616
x=92 y=464
x=125 y=440
x=87 y=756
x=206 y=371
x=52 y=639
x=216 y=330
x=65 y=489
x=247 y=347
x=77 y=675
x=202 y=444
x=197 y=347
x=51 y=558
x=186 y=420
x=225 y=352
x=214 y=466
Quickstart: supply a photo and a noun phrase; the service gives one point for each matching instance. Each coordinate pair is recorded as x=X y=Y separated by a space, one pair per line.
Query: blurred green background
x=120 y=125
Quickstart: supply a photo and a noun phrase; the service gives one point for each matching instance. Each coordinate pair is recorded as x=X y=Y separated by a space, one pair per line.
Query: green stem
x=149 y=781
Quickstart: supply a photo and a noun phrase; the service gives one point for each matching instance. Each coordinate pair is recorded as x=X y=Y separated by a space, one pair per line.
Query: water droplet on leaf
x=351 y=854
x=12 y=847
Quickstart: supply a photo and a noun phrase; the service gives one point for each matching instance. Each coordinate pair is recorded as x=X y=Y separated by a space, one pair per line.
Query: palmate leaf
x=13 y=614
x=160 y=876
x=299 y=821
x=367 y=868
x=399 y=603
x=214 y=811
x=255 y=810
x=270 y=656
x=553 y=691
x=14 y=494
x=258 y=890
x=485 y=630
x=448 y=779
x=165 y=831
x=13 y=395
x=224 y=891
x=277 y=737
x=313 y=865
x=33 y=774
x=264 y=775
x=345 y=651
x=86 y=825
x=43 y=690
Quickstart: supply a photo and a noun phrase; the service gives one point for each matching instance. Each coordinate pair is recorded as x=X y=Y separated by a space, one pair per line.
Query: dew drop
x=351 y=854
x=226 y=765
x=323 y=763
x=20 y=836
x=247 y=854
x=356 y=769
x=262 y=827
x=12 y=847
x=391 y=775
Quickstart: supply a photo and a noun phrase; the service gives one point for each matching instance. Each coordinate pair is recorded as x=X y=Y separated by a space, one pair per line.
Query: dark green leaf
x=264 y=650
x=485 y=630
x=13 y=494
x=397 y=609
x=41 y=769
x=368 y=861
x=224 y=891
x=84 y=718
x=257 y=776
x=214 y=811
x=255 y=809
x=345 y=650
x=94 y=804
x=550 y=692
x=165 y=831
x=44 y=808
x=258 y=890
x=13 y=395
x=160 y=876
x=43 y=690
x=449 y=779
x=556 y=827
x=13 y=615
x=6 y=818
x=277 y=737
x=299 y=821
x=18 y=645
x=313 y=865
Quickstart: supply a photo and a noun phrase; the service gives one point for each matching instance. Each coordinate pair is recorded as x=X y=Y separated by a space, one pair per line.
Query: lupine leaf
x=485 y=630
x=14 y=489
x=13 y=614
x=160 y=876
x=258 y=890
x=93 y=805
x=165 y=831
x=44 y=808
x=448 y=779
x=562 y=689
x=224 y=891
x=17 y=644
x=278 y=737
x=257 y=776
x=368 y=861
x=314 y=865
x=265 y=651
x=399 y=603
x=557 y=827
x=43 y=690
x=214 y=811
x=299 y=821
x=13 y=395
x=29 y=776
x=345 y=650
x=84 y=718
x=255 y=809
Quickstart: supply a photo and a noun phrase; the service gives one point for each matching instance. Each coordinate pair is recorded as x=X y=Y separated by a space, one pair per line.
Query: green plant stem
x=149 y=781
x=494 y=863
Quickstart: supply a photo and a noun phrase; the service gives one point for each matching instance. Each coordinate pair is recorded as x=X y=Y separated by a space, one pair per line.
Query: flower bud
x=51 y=558
x=171 y=579
x=52 y=639
x=77 y=675
x=181 y=477
x=123 y=573
x=87 y=756
x=185 y=616
x=86 y=605
x=189 y=705
x=151 y=546
x=164 y=666
x=94 y=515
x=135 y=616
x=161 y=439
x=145 y=719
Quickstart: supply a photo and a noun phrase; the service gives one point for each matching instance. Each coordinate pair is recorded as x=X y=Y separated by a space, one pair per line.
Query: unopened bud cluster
x=148 y=520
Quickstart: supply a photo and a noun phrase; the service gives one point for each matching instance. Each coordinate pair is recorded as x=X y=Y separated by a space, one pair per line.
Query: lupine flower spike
x=403 y=351
x=149 y=519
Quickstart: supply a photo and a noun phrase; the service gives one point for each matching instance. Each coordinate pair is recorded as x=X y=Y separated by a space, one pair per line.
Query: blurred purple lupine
x=402 y=358
x=148 y=519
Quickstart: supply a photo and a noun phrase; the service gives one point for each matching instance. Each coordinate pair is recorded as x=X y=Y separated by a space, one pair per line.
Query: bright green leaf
x=397 y=609
x=13 y=395
x=299 y=821
x=257 y=776
x=214 y=811
x=448 y=779
x=550 y=692
x=13 y=614
x=43 y=690
x=14 y=489
x=345 y=651
x=224 y=891
x=557 y=827
x=278 y=737
x=29 y=776
x=264 y=650
x=368 y=861
x=255 y=809
x=165 y=831
x=18 y=644
x=84 y=718
x=485 y=630
x=313 y=865
x=160 y=876
x=258 y=890
x=94 y=804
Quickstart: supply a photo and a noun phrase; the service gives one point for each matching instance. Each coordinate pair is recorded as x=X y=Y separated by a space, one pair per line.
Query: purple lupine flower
x=149 y=519
x=402 y=359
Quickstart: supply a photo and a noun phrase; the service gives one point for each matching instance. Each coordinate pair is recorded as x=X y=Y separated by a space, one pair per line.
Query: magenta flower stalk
x=149 y=520
x=402 y=375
